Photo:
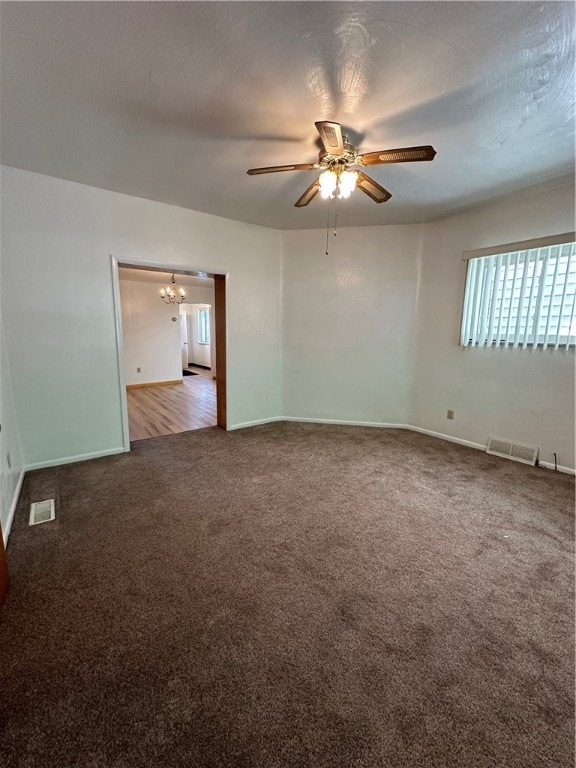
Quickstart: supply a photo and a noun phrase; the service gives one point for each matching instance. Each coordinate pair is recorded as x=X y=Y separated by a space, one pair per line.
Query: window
x=204 y=326
x=521 y=296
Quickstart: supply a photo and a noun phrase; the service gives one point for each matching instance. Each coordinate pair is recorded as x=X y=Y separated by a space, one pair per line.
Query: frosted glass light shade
x=328 y=182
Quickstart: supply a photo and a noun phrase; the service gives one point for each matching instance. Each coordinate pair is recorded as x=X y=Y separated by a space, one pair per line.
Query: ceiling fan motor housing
x=348 y=157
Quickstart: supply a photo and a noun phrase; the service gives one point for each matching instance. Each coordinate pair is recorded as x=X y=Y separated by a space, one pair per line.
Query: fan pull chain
x=328 y=229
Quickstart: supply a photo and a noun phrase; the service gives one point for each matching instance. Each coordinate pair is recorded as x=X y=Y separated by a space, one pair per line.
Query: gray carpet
x=291 y=595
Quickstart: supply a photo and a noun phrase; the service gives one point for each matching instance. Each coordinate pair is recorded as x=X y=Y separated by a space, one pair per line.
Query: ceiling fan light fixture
x=328 y=182
x=347 y=183
x=337 y=183
x=335 y=160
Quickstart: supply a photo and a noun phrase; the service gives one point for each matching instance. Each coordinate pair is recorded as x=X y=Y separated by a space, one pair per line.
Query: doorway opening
x=172 y=355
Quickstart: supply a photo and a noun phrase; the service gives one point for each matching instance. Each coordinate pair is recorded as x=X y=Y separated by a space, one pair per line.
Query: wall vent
x=527 y=454
x=42 y=512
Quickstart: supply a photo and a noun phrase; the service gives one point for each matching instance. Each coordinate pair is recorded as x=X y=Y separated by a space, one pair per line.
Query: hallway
x=168 y=409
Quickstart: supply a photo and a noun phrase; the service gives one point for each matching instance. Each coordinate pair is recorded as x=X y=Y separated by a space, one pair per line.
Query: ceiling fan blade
x=331 y=135
x=309 y=195
x=372 y=188
x=278 y=168
x=406 y=155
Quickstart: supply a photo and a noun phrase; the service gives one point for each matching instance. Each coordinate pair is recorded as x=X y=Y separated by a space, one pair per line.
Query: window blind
x=522 y=297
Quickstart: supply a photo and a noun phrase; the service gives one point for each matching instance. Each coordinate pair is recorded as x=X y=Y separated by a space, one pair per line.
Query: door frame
x=221 y=349
x=220 y=324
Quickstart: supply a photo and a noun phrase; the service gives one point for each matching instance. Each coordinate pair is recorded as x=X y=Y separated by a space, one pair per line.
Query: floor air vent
x=42 y=512
x=527 y=454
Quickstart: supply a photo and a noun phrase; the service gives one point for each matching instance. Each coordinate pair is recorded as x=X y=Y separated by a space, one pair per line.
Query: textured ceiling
x=174 y=101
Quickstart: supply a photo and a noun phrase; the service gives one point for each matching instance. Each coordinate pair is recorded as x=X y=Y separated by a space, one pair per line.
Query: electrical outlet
x=138 y=370
x=450 y=415
x=9 y=460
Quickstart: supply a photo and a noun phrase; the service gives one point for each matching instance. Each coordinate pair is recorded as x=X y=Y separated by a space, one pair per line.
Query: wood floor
x=168 y=409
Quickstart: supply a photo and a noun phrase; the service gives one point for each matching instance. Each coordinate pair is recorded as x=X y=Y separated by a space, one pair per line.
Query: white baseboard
x=550 y=465
x=257 y=423
x=449 y=438
x=306 y=420
x=13 y=505
x=73 y=459
x=342 y=423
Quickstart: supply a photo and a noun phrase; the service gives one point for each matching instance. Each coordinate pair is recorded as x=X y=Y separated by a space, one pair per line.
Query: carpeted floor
x=291 y=595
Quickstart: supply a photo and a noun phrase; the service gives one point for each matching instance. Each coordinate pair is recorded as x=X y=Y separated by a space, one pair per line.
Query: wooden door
x=3 y=570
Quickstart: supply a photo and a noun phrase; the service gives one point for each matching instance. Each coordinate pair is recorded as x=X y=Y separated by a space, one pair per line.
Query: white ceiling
x=175 y=101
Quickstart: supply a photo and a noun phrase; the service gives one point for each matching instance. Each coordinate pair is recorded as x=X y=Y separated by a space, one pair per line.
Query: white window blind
x=521 y=297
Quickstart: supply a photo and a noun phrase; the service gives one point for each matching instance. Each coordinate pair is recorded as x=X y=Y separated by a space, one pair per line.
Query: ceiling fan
x=336 y=159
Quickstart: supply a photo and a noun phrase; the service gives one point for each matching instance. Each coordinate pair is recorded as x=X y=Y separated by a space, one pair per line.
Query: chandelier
x=171 y=294
x=337 y=182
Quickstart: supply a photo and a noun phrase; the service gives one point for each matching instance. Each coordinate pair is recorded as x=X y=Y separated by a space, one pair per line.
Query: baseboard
x=550 y=465
x=12 y=512
x=154 y=384
x=73 y=459
x=304 y=420
x=343 y=423
x=449 y=438
x=257 y=423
